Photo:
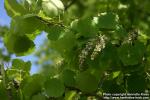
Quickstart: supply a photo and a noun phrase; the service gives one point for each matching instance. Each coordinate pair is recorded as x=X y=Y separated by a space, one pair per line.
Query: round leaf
x=86 y=82
x=54 y=87
x=52 y=7
x=68 y=77
x=108 y=21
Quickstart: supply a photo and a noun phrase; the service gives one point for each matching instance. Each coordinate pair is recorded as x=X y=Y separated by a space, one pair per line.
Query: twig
x=51 y=23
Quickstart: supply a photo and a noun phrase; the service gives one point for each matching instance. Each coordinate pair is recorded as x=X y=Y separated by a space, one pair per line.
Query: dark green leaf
x=38 y=97
x=131 y=54
x=21 y=65
x=19 y=45
x=54 y=87
x=86 y=82
x=3 y=92
x=85 y=28
x=108 y=21
x=136 y=83
x=110 y=86
x=54 y=32
x=68 y=77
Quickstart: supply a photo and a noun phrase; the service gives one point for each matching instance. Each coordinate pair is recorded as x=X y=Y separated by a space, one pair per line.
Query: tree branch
x=51 y=23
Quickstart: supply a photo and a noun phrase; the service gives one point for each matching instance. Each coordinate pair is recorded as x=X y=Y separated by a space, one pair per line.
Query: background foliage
x=93 y=46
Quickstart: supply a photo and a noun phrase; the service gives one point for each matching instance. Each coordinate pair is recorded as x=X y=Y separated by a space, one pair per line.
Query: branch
x=51 y=23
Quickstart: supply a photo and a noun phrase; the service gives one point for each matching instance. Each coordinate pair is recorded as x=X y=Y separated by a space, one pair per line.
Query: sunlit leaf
x=28 y=24
x=70 y=95
x=116 y=74
x=21 y=65
x=13 y=8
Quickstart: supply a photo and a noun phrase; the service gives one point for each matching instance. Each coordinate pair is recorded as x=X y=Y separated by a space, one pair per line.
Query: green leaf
x=49 y=9
x=28 y=24
x=54 y=32
x=70 y=95
x=120 y=32
x=65 y=43
x=136 y=83
x=131 y=54
x=21 y=65
x=13 y=8
x=108 y=58
x=8 y=43
x=86 y=82
x=23 y=44
x=19 y=70
x=108 y=21
x=3 y=92
x=32 y=86
x=17 y=75
x=19 y=45
x=74 y=25
x=110 y=86
x=115 y=74
x=33 y=6
x=68 y=77
x=52 y=8
x=54 y=87
x=118 y=35
x=38 y=97
x=85 y=27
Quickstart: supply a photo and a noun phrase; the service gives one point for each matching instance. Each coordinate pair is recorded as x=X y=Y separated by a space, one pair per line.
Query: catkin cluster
x=93 y=47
